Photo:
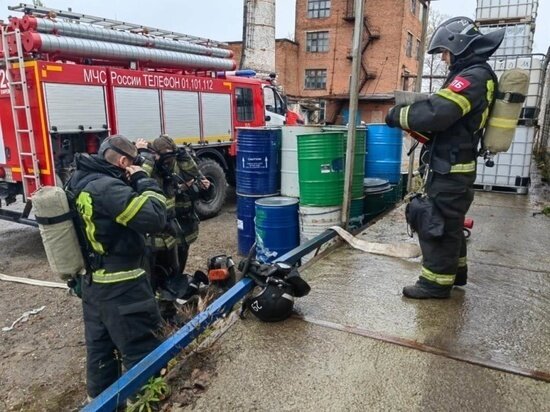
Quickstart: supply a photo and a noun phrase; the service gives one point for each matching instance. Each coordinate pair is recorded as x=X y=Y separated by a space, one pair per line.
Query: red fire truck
x=70 y=80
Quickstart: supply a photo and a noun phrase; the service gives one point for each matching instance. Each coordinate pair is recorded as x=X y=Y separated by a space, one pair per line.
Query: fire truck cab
x=58 y=99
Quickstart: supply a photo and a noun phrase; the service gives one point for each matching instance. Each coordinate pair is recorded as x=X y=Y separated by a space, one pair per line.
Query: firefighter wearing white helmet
x=452 y=121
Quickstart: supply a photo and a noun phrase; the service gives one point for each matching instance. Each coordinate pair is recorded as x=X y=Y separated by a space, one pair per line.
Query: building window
x=317 y=9
x=316 y=79
x=322 y=111
x=418 y=51
x=413 y=7
x=317 y=41
x=409 y=45
x=245 y=104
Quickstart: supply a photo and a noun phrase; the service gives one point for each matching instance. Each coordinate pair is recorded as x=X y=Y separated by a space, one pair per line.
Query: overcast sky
x=222 y=19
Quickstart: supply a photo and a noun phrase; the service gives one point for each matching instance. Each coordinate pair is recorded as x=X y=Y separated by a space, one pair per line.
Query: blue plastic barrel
x=383 y=157
x=246 y=211
x=258 y=164
x=277 y=227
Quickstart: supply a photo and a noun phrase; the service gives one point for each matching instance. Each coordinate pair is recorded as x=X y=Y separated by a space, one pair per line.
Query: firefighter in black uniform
x=118 y=203
x=452 y=120
x=176 y=171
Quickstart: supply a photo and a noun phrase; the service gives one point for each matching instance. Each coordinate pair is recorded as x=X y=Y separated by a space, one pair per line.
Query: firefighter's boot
x=461 y=278
x=423 y=289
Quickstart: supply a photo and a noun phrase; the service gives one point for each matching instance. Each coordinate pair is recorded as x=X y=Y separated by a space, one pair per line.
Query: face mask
x=165 y=164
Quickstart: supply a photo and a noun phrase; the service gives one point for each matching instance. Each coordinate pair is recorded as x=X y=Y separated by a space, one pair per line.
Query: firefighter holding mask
x=178 y=175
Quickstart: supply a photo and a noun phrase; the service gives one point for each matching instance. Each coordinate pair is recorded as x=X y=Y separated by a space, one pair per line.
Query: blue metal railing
x=130 y=383
x=135 y=378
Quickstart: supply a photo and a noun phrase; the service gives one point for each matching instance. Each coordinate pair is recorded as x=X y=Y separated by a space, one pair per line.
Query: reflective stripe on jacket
x=456 y=114
x=116 y=216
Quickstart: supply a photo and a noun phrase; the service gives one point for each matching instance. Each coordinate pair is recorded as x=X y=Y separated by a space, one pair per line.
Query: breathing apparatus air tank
x=501 y=124
x=55 y=221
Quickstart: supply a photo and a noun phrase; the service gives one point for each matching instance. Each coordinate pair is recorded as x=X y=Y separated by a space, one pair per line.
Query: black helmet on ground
x=273 y=303
x=460 y=34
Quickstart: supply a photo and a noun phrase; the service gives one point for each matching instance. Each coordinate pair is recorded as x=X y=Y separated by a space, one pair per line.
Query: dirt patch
x=43 y=360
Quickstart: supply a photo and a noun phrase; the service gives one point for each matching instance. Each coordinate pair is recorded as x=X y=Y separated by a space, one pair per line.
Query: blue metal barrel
x=258 y=164
x=383 y=158
x=277 y=227
x=246 y=234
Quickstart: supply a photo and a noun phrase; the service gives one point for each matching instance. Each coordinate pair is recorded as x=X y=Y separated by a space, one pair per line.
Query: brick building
x=315 y=69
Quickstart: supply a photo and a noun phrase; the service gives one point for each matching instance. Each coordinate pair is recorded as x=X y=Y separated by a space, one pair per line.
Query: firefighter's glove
x=392 y=118
x=75 y=286
x=136 y=176
x=207 y=194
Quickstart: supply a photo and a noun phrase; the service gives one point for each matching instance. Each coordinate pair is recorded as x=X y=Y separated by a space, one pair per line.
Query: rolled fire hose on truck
x=503 y=119
x=55 y=221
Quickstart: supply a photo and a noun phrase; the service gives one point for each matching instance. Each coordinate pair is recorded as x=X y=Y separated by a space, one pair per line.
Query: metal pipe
x=70 y=47
x=418 y=85
x=90 y=32
x=353 y=103
x=292 y=257
x=423 y=347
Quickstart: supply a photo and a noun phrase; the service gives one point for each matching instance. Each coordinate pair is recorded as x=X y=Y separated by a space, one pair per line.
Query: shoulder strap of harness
x=478 y=135
x=93 y=260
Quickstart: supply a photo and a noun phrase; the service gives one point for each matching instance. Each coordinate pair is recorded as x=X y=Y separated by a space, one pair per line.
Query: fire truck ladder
x=23 y=130
x=46 y=12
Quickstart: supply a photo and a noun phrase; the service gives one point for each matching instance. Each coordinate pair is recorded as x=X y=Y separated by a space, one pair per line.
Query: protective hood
x=488 y=43
x=460 y=35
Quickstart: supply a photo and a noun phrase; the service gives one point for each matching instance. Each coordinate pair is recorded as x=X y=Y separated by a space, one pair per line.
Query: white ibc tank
x=506 y=9
x=290 y=185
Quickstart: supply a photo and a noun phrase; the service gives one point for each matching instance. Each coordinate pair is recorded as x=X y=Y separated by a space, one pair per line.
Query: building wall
x=386 y=60
x=237 y=48
x=286 y=63
x=385 y=56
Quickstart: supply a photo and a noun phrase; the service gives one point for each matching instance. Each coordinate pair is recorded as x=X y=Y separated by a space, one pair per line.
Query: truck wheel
x=212 y=171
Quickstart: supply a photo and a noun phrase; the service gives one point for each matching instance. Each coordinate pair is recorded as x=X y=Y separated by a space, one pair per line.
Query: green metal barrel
x=395 y=195
x=357 y=213
x=359 y=157
x=321 y=168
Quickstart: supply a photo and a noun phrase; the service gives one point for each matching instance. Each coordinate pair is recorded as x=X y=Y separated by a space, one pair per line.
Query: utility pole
x=419 y=73
x=353 y=102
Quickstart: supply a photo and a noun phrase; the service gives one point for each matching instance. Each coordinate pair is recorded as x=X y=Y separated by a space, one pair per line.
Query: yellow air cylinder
x=58 y=232
x=503 y=119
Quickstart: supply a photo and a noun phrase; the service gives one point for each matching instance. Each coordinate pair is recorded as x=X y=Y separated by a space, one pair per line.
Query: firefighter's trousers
x=183 y=254
x=452 y=194
x=121 y=320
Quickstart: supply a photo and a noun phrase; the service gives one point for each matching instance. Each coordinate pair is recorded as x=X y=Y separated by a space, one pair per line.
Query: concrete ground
x=359 y=345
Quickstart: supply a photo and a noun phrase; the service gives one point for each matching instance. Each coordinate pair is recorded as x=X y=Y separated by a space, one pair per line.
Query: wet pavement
x=361 y=345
